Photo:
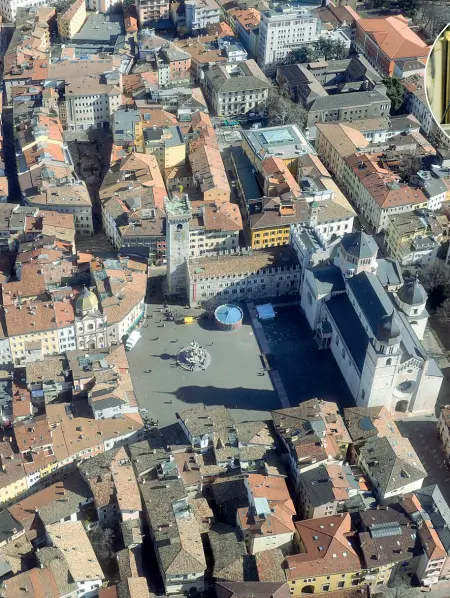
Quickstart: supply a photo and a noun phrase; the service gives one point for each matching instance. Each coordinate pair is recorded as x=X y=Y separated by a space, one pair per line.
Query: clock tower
x=178 y=214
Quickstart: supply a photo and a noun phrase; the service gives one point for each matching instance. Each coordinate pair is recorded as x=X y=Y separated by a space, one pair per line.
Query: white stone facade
x=268 y=282
x=91 y=331
x=116 y=331
x=178 y=214
x=375 y=342
x=5 y=352
x=66 y=339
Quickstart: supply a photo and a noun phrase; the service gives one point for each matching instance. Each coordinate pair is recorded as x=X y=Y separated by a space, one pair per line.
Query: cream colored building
x=69 y=199
x=71 y=20
x=215 y=228
x=29 y=324
x=13 y=479
x=335 y=142
x=70 y=537
x=167 y=145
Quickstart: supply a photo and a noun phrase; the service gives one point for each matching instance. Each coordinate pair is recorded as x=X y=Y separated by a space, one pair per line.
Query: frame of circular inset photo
x=437 y=80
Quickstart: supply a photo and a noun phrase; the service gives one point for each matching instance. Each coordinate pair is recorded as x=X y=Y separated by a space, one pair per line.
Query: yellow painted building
x=72 y=19
x=326 y=561
x=13 y=479
x=270 y=223
x=167 y=145
x=270 y=237
x=139 y=137
x=48 y=340
x=326 y=583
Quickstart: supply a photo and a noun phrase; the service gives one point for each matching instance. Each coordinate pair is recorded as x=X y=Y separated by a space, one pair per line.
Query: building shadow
x=231 y=398
x=424 y=439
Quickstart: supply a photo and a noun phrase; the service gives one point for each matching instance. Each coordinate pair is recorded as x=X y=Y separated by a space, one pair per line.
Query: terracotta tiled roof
x=394 y=37
x=328 y=544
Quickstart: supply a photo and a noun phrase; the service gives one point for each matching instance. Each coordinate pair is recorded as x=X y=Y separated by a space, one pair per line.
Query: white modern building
x=201 y=13
x=374 y=339
x=281 y=31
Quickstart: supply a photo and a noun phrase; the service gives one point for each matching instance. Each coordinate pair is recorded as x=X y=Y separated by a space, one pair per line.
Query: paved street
x=231 y=380
x=423 y=436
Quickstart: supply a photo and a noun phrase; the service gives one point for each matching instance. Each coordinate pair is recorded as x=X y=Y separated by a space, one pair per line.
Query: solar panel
x=365 y=423
x=384 y=530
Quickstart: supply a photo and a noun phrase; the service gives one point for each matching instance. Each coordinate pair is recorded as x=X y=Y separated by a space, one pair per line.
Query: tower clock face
x=179 y=233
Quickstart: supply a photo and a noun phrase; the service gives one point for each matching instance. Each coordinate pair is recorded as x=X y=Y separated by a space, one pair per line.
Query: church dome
x=86 y=301
x=388 y=329
x=412 y=292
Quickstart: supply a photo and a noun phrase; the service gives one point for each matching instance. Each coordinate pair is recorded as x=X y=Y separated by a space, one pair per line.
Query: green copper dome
x=87 y=301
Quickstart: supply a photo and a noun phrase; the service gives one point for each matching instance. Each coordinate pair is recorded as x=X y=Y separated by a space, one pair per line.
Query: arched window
x=363 y=394
x=179 y=226
x=389 y=361
x=308 y=590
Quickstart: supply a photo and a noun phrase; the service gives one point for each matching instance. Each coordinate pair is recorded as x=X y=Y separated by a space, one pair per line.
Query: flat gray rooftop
x=99 y=30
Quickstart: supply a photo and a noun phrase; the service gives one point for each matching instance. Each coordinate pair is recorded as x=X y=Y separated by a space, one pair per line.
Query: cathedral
x=373 y=321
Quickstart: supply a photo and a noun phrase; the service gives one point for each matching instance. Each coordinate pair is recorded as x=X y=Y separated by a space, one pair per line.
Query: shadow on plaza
x=231 y=398
x=425 y=441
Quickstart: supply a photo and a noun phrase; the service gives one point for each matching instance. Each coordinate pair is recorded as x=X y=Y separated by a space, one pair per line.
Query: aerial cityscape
x=224 y=298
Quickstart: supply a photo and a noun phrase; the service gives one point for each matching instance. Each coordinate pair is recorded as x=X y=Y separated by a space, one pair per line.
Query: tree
x=399 y=585
x=409 y=7
x=62 y=5
x=281 y=110
x=102 y=540
x=435 y=276
x=443 y=311
x=436 y=281
x=397 y=590
x=395 y=92
x=432 y=16
x=330 y=49
x=305 y=53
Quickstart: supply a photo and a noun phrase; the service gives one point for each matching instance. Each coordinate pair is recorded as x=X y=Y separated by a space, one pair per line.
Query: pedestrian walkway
x=434 y=348
x=264 y=346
